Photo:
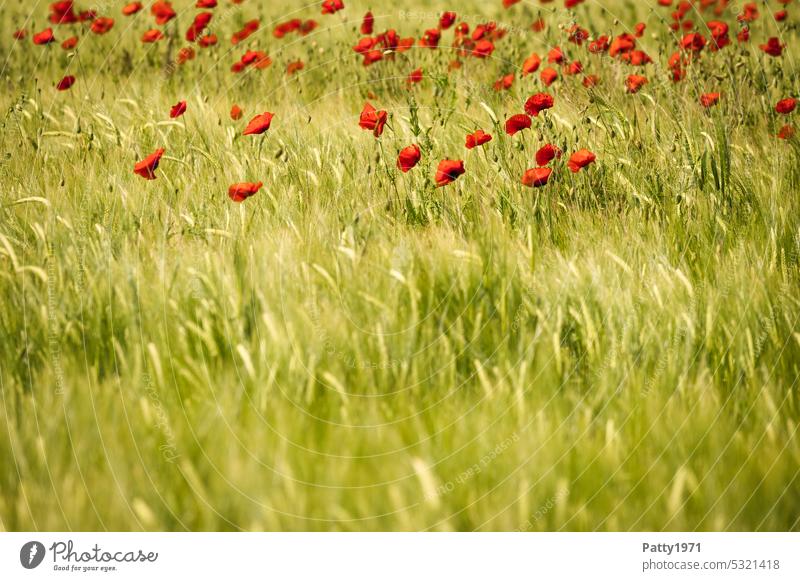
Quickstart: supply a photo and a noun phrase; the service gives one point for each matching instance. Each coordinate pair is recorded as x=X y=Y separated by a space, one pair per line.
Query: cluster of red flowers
x=692 y=41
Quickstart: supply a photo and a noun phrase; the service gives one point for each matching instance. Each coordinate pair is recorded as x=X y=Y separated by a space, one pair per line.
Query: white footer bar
x=400 y=556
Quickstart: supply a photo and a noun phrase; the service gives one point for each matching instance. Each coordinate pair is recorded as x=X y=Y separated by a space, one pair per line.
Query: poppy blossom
x=504 y=82
x=249 y=28
x=147 y=167
x=448 y=171
x=414 y=77
x=786 y=132
x=531 y=64
x=478 y=138
x=517 y=123
x=294 y=66
x=546 y=154
x=70 y=43
x=65 y=83
x=207 y=40
x=152 y=35
x=63 y=13
x=786 y=106
x=536 y=177
x=367 y=23
x=241 y=191
x=20 y=34
x=556 y=55
x=285 y=28
x=206 y=4
x=580 y=159
x=332 y=6
x=548 y=76
x=185 y=54
x=408 y=157
x=102 y=25
x=44 y=37
x=590 y=81
x=236 y=113
x=709 y=99
x=372 y=120
x=446 y=20
x=132 y=8
x=178 y=109
x=635 y=82
x=483 y=48
x=198 y=25
x=538 y=103
x=258 y=124
x=773 y=47
x=163 y=12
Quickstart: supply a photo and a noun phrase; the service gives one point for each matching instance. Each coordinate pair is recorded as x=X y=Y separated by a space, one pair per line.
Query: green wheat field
x=356 y=349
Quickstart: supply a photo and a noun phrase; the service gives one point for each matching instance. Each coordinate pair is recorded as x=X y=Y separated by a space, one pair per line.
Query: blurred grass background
x=353 y=349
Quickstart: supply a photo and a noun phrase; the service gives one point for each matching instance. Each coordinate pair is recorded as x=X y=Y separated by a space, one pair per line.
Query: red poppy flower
x=749 y=13
x=163 y=12
x=102 y=25
x=20 y=34
x=773 y=47
x=332 y=6
x=580 y=159
x=504 y=83
x=367 y=23
x=546 y=154
x=446 y=20
x=372 y=119
x=152 y=35
x=236 y=113
x=635 y=82
x=477 y=139
x=249 y=28
x=590 y=81
x=517 y=123
x=132 y=8
x=414 y=77
x=548 y=76
x=206 y=4
x=207 y=40
x=709 y=99
x=408 y=157
x=483 y=48
x=448 y=171
x=70 y=43
x=65 y=83
x=147 y=167
x=556 y=55
x=786 y=106
x=693 y=42
x=199 y=24
x=786 y=132
x=538 y=103
x=600 y=45
x=62 y=13
x=531 y=64
x=286 y=27
x=536 y=177
x=44 y=37
x=178 y=109
x=185 y=54
x=294 y=66
x=258 y=124
x=241 y=191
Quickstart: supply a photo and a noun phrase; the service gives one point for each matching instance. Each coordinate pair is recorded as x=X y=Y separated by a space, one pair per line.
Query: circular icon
x=31 y=554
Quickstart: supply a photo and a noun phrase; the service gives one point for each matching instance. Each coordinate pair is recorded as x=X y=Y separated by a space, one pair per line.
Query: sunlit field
x=315 y=320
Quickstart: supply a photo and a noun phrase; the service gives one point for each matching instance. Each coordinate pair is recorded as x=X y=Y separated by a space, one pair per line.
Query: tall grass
x=354 y=349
